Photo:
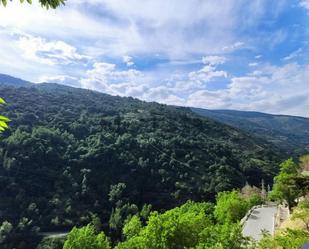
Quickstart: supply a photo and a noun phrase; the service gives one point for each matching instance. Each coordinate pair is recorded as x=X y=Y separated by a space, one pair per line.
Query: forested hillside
x=74 y=155
x=288 y=133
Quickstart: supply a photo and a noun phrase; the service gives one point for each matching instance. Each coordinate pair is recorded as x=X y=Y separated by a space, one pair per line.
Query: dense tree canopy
x=290 y=183
x=86 y=238
x=230 y=207
x=190 y=226
x=73 y=155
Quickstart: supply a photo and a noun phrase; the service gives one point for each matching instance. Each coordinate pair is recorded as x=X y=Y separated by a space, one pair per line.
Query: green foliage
x=45 y=3
x=254 y=200
x=289 y=167
x=284 y=187
x=223 y=236
x=51 y=243
x=303 y=215
x=304 y=204
x=75 y=146
x=5 y=229
x=86 y=238
x=189 y=226
x=72 y=153
x=132 y=227
x=230 y=207
x=289 y=239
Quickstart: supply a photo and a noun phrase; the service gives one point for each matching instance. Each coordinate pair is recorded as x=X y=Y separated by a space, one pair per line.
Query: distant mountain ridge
x=289 y=133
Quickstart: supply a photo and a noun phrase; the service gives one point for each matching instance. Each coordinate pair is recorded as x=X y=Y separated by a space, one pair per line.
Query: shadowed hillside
x=289 y=133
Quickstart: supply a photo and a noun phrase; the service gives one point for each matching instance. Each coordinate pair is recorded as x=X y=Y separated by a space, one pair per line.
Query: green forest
x=74 y=156
x=82 y=169
x=200 y=225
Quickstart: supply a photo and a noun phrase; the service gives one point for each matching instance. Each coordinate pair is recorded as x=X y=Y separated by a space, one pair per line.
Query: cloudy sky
x=223 y=54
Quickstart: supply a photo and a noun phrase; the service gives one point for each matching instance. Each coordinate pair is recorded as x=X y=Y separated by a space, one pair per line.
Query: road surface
x=260 y=219
x=54 y=234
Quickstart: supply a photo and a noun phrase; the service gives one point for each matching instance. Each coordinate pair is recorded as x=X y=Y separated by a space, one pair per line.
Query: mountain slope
x=12 y=81
x=72 y=153
x=288 y=133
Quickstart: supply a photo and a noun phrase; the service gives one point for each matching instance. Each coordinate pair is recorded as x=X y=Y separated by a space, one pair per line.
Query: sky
x=224 y=54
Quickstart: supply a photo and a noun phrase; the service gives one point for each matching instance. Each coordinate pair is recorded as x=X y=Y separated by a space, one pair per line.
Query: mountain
x=12 y=81
x=289 y=133
x=72 y=154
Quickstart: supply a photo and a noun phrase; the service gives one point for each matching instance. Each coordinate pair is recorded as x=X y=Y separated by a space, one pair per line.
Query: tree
x=224 y=236
x=188 y=226
x=3 y=120
x=132 y=227
x=5 y=229
x=230 y=207
x=86 y=238
x=45 y=3
x=285 y=187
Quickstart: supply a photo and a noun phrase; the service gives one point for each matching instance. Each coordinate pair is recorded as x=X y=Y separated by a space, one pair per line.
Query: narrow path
x=54 y=234
x=260 y=219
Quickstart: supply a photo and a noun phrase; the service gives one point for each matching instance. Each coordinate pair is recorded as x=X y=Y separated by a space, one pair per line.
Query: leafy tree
x=230 y=207
x=45 y=3
x=3 y=120
x=86 y=238
x=188 y=226
x=132 y=227
x=284 y=185
x=223 y=236
x=289 y=239
x=255 y=199
x=176 y=228
x=5 y=229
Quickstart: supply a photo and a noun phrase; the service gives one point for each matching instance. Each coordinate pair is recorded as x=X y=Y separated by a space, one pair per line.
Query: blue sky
x=224 y=54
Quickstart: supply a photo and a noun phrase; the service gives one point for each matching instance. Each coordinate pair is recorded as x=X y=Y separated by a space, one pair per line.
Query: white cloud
x=128 y=60
x=207 y=73
x=140 y=27
x=55 y=45
x=304 y=4
x=213 y=60
x=208 y=99
x=253 y=64
x=48 y=52
x=275 y=89
x=60 y=79
x=293 y=55
x=106 y=78
x=234 y=46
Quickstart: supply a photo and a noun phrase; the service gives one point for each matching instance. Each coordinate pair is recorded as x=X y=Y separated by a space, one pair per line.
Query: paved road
x=260 y=219
x=54 y=234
